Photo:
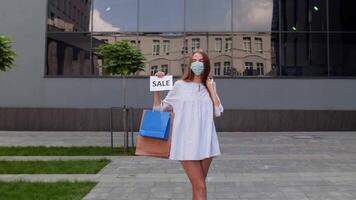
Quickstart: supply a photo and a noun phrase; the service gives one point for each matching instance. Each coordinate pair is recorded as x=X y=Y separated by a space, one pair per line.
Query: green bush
x=7 y=54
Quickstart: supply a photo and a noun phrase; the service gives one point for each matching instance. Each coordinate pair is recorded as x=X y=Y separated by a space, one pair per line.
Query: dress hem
x=210 y=156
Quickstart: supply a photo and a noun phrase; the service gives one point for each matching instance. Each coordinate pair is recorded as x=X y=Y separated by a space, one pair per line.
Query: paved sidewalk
x=254 y=166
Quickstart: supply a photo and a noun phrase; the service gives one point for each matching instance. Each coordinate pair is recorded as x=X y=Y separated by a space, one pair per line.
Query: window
x=154 y=69
x=342 y=64
x=228 y=44
x=78 y=16
x=64 y=6
x=218 y=44
x=182 y=66
x=195 y=44
x=166 y=45
x=155 y=48
x=305 y=15
x=61 y=6
x=304 y=54
x=74 y=16
x=248 y=68
x=260 y=69
x=290 y=38
x=217 y=68
x=139 y=44
x=73 y=59
x=164 y=68
x=115 y=15
x=52 y=16
x=133 y=42
x=247 y=44
x=69 y=9
x=227 y=69
x=267 y=12
x=82 y=19
x=185 y=47
x=259 y=47
x=208 y=15
x=155 y=15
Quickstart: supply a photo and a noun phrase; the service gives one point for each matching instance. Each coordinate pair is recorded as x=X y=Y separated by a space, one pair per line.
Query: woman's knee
x=199 y=186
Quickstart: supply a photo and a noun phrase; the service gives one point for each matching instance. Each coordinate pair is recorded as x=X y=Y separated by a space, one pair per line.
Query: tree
x=7 y=54
x=121 y=58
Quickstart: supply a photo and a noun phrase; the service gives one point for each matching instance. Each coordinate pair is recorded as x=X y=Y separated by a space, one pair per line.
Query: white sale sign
x=160 y=84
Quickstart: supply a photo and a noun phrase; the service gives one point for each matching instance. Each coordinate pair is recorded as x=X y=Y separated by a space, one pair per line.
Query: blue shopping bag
x=155 y=124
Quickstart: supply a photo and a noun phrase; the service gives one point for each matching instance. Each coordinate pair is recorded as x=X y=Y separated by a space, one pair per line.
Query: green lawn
x=53 y=167
x=63 y=151
x=63 y=190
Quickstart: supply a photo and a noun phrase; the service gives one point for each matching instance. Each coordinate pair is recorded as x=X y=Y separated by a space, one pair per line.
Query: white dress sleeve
x=218 y=110
x=169 y=101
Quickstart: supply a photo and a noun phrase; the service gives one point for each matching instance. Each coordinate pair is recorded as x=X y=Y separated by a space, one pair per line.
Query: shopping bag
x=154 y=146
x=155 y=124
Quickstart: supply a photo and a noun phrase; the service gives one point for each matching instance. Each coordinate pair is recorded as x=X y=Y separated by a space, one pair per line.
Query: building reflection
x=303 y=43
x=242 y=37
x=68 y=38
x=237 y=54
x=71 y=43
x=69 y=15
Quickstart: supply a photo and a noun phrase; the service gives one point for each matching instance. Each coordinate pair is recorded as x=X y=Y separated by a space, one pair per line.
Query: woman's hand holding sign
x=160 y=74
x=157 y=94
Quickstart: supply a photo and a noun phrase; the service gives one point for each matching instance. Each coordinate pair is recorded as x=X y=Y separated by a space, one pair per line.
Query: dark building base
x=69 y=119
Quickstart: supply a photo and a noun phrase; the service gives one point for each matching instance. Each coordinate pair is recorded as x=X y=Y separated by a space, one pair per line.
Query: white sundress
x=194 y=135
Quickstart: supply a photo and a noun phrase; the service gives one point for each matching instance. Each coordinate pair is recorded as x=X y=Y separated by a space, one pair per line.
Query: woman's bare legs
x=194 y=171
x=205 y=164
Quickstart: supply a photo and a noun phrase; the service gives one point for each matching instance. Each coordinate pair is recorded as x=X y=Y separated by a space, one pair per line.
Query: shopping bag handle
x=159 y=105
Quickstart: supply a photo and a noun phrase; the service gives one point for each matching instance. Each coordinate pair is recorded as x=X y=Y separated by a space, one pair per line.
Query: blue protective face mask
x=197 y=67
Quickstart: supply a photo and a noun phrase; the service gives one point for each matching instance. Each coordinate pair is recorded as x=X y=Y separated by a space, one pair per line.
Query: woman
x=195 y=103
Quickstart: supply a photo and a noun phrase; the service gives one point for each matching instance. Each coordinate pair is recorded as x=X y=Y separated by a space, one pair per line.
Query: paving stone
x=253 y=166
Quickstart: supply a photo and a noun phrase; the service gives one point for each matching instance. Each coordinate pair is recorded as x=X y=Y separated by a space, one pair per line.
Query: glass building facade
x=243 y=38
